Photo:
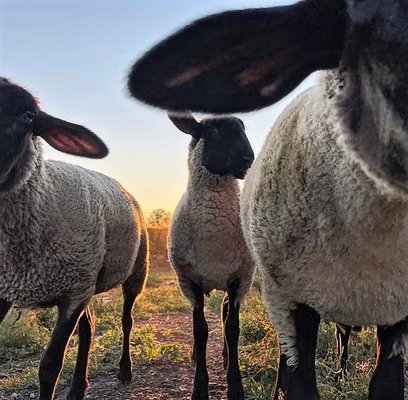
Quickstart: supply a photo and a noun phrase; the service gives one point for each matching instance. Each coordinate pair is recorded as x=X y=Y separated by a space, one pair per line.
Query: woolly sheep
x=325 y=204
x=206 y=247
x=66 y=233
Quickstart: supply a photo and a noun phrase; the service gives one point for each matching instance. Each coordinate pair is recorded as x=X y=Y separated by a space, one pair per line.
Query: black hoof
x=125 y=377
x=236 y=393
x=76 y=394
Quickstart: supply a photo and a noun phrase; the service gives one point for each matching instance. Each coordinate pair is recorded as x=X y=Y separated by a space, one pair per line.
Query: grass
x=24 y=335
x=259 y=355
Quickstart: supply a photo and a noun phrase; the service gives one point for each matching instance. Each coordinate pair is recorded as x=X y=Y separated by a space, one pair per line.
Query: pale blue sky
x=74 y=55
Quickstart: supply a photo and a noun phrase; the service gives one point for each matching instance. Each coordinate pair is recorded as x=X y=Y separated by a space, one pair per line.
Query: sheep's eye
x=28 y=116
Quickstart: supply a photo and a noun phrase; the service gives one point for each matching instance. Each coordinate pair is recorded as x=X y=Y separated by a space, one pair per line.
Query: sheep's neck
x=207 y=190
x=24 y=194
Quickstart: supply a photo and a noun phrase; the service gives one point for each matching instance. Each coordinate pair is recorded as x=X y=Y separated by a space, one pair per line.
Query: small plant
x=161 y=299
x=22 y=334
x=214 y=301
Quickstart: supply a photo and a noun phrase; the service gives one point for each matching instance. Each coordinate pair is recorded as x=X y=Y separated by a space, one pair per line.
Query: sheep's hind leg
x=224 y=315
x=387 y=382
x=52 y=360
x=299 y=382
x=342 y=340
x=79 y=381
x=200 y=330
x=131 y=288
x=4 y=308
x=235 y=389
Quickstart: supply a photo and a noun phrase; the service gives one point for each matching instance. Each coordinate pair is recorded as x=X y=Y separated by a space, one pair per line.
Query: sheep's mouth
x=239 y=173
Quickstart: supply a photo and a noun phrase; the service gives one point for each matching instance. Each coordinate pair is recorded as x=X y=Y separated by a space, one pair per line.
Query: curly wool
x=65 y=232
x=206 y=243
x=320 y=229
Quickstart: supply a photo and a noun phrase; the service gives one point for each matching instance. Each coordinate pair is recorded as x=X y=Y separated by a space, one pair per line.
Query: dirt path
x=165 y=380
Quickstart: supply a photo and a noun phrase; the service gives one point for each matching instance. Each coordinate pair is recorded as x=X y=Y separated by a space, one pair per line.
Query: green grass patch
x=24 y=335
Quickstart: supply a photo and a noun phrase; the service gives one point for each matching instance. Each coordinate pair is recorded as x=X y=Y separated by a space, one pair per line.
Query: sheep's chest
x=364 y=276
x=217 y=248
x=358 y=277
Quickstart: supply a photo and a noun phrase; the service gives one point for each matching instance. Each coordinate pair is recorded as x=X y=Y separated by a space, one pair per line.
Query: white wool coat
x=322 y=231
x=206 y=243
x=66 y=233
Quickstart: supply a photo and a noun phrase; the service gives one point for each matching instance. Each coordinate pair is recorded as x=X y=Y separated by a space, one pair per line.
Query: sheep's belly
x=354 y=293
x=28 y=293
x=37 y=285
x=217 y=278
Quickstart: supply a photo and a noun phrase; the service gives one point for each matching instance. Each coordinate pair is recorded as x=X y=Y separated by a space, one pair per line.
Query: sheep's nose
x=248 y=159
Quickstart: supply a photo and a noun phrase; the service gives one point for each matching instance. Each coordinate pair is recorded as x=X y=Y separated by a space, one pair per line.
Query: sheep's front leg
x=387 y=382
x=299 y=382
x=235 y=389
x=4 y=307
x=200 y=331
x=51 y=362
x=80 y=379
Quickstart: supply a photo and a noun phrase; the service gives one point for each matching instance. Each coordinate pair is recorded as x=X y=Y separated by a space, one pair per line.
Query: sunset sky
x=74 y=55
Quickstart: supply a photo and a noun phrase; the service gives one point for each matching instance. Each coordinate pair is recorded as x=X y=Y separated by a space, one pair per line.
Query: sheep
x=206 y=246
x=66 y=233
x=324 y=206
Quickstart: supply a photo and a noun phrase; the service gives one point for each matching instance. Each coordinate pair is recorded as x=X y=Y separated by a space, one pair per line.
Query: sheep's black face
x=374 y=101
x=20 y=120
x=226 y=147
x=17 y=113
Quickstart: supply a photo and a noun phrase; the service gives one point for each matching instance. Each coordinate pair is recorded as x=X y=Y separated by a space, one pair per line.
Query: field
x=161 y=348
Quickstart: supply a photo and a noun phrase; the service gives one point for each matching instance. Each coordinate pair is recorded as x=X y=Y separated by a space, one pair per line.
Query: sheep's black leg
x=235 y=389
x=281 y=386
x=51 y=362
x=299 y=382
x=342 y=339
x=131 y=289
x=80 y=379
x=387 y=382
x=4 y=307
x=200 y=330
x=194 y=357
x=224 y=314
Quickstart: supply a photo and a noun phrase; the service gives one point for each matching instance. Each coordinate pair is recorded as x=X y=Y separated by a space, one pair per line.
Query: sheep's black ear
x=69 y=138
x=187 y=124
x=240 y=60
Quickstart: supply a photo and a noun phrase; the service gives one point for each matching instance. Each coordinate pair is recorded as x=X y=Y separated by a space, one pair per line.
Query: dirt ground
x=158 y=380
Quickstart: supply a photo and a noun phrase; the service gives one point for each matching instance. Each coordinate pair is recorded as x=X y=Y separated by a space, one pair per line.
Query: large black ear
x=187 y=124
x=68 y=138
x=240 y=60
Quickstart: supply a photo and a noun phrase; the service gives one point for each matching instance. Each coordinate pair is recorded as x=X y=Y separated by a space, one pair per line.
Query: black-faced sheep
x=325 y=206
x=66 y=233
x=207 y=248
